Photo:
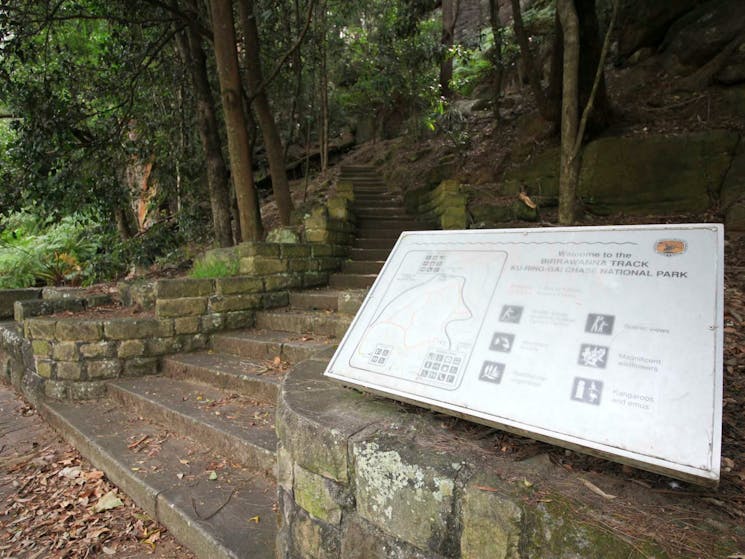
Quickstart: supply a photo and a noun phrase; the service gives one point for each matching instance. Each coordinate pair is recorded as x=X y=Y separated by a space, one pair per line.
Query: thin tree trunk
x=590 y=45
x=572 y=127
x=235 y=122
x=570 y=162
x=272 y=141
x=534 y=77
x=189 y=45
x=450 y=9
x=497 y=60
x=324 y=93
x=297 y=66
x=124 y=219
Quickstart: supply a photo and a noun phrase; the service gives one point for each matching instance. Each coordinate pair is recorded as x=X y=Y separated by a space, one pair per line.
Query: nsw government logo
x=670 y=247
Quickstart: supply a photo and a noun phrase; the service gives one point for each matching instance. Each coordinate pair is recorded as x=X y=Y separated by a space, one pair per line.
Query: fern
x=34 y=251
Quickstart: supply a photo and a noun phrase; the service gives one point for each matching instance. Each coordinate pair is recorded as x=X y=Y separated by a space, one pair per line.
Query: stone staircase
x=196 y=446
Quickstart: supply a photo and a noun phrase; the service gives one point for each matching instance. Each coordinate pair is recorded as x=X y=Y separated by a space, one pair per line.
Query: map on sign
x=605 y=339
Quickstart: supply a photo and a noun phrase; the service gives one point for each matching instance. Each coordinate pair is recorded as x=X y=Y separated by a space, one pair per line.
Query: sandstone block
x=103 y=368
x=68 y=351
x=262 y=265
x=172 y=308
x=134 y=328
x=79 y=330
x=131 y=348
x=238 y=285
x=320 y=497
x=186 y=325
x=491 y=523
x=40 y=328
x=235 y=302
x=183 y=288
x=42 y=348
x=69 y=370
x=98 y=350
x=140 y=366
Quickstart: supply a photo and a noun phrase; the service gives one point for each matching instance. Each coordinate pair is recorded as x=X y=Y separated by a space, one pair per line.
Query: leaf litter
x=55 y=505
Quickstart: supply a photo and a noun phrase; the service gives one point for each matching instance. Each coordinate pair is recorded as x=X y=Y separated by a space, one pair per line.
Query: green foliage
x=34 y=251
x=385 y=67
x=214 y=268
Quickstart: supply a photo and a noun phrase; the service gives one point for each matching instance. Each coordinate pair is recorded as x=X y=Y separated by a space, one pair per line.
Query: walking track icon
x=511 y=313
x=600 y=324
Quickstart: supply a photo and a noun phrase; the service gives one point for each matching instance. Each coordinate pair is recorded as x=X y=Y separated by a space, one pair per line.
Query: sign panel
x=601 y=339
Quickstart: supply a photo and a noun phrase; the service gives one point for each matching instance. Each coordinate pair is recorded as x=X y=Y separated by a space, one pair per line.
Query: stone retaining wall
x=361 y=477
x=444 y=205
x=74 y=357
x=8 y=297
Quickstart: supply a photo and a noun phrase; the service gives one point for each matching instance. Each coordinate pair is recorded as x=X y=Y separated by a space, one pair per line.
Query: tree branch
x=270 y=78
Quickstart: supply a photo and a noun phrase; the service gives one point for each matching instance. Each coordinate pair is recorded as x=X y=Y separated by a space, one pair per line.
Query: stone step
x=369 y=253
x=362 y=266
x=390 y=222
x=387 y=206
x=352 y=168
x=362 y=179
x=372 y=191
x=352 y=281
x=375 y=243
x=256 y=378
x=317 y=299
x=382 y=213
x=235 y=426
x=266 y=345
x=363 y=202
x=316 y=323
x=208 y=517
x=378 y=233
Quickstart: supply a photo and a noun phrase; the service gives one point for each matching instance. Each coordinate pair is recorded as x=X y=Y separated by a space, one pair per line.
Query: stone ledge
x=360 y=474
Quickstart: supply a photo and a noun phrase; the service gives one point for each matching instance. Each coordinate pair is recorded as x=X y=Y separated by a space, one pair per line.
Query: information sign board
x=601 y=339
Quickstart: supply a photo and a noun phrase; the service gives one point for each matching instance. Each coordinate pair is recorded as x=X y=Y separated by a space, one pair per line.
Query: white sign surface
x=603 y=339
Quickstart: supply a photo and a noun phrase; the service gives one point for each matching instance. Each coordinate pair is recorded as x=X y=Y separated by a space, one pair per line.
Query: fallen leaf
x=108 y=550
x=487 y=488
x=154 y=537
x=213 y=475
x=527 y=483
x=108 y=502
x=180 y=475
x=595 y=489
x=70 y=472
x=94 y=475
x=255 y=519
x=277 y=361
x=527 y=201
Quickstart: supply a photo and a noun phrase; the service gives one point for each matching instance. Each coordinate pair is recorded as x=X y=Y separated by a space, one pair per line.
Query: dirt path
x=50 y=496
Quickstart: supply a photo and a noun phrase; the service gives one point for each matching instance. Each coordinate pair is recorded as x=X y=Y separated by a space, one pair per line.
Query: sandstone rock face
x=648 y=175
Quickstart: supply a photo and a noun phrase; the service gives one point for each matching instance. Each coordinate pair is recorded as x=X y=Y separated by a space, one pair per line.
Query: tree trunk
x=553 y=94
x=590 y=45
x=324 y=92
x=273 y=144
x=497 y=60
x=189 y=44
x=235 y=122
x=450 y=9
x=125 y=222
x=572 y=127
x=570 y=162
x=534 y=76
